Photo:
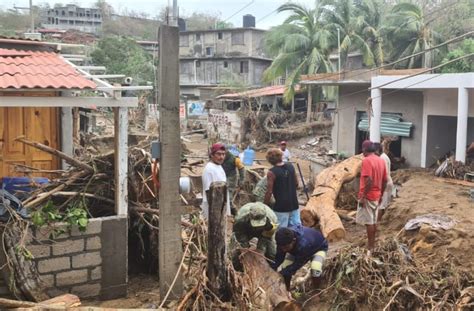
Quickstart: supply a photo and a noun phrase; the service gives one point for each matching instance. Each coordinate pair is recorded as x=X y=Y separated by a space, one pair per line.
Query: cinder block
x=93 y=243
x=40 y=251
x=96 y=273
x=93 y=227
x=60 y=231
x=54 y=264
x=87 y=290
x=86 y=260
x=48 y=279
x=68 y=247
x=71 y=277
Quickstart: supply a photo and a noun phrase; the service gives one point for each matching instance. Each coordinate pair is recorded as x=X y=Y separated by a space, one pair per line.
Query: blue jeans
x=286 y=219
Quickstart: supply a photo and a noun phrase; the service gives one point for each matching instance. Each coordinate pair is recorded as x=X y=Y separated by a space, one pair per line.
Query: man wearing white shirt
x=286 y=152
x=213 y=172
x=387 y=194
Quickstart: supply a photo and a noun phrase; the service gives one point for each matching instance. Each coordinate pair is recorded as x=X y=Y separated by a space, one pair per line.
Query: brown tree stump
x=216 y=253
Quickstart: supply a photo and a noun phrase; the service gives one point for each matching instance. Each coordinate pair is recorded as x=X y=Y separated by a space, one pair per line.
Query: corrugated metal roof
x=266 y=91
x=33 y=69
x=390 y=125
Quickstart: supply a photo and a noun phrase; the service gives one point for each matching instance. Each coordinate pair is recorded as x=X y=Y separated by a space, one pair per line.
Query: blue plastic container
x=22 y=184
x=234 y=150
x=249 y=156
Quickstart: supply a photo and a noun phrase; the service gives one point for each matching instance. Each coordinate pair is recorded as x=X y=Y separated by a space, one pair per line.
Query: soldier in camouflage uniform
x=231 y=165
x=256 y=220
x=260 y=190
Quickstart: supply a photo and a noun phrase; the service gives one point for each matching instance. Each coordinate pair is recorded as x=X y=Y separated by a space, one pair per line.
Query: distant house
x=429 y=115
x=72 y=16
x=215 y=56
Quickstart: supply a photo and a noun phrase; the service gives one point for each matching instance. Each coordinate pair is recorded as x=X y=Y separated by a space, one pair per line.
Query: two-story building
x=221 y=56
x=72 y=16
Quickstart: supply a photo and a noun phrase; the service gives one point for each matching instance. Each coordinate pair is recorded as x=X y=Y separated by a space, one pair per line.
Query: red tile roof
x=266 y=91
x=38 y=70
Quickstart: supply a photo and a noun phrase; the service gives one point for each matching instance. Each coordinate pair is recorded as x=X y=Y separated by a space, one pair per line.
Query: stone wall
x=92 y=263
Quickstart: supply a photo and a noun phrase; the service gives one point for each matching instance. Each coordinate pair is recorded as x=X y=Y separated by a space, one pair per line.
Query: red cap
x=283 y=142
x=217 y=147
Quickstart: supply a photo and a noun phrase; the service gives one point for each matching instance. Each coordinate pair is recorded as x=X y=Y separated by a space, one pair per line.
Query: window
x=184 y=40
x=198 y=37
x=244 y=66
x=237 y=38
x=226 y=64
x=209 y=51
x=63 y=13
x=198 y=63
x=220 y=35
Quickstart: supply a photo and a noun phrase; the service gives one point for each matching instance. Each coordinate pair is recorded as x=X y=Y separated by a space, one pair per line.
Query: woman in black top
x=282 y=184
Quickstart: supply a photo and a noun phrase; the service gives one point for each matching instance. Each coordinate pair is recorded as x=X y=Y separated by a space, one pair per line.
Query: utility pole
x=338 y=88
x=175 y=14
x=32 y=17
x=170 y=244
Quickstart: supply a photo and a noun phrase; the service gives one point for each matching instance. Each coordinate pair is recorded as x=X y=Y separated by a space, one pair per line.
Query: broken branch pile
x=392 y=280
x=450 y=168
x=268 y=126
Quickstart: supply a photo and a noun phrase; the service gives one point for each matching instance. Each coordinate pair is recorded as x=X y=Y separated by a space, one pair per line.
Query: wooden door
x=36 y=124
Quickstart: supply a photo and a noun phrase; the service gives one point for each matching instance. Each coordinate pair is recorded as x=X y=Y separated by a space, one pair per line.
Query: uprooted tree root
x=392 y=280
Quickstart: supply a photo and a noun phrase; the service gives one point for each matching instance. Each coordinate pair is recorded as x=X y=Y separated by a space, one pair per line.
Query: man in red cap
x=286 y=152
x=213 y=172
x=373 y=180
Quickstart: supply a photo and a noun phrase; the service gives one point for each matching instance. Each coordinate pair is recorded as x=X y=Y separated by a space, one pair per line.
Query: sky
x=263 y=10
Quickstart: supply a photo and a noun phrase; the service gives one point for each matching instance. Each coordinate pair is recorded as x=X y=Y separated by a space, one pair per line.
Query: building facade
x=72 y=16
x=221 y=56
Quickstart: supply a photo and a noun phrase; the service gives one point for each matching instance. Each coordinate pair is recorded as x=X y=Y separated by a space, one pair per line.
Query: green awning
x=390 y=125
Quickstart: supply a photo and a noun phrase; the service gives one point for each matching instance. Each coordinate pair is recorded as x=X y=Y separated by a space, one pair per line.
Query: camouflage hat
x=257 y=215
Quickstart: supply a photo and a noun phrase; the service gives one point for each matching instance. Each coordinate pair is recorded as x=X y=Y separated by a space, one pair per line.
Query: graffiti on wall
x=223 y=126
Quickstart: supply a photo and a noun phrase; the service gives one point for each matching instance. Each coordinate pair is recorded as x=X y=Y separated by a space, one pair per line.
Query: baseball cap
x=216 y=147
x=283 y=142
x=258 y=217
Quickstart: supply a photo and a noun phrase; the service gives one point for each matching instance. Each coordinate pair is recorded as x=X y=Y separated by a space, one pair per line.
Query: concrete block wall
x=88 y=264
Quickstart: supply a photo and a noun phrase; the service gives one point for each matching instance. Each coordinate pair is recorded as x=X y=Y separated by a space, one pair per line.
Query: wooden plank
x=85 y=102
x=170 y=244
x=121 y=160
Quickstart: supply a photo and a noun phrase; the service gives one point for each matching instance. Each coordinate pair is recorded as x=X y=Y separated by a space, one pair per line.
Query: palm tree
x=341 y=15
x=409 y=32
x=373 y=15
x=301 y=45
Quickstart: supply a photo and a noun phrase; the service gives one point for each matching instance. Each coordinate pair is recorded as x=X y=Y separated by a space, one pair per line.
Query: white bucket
x=184 y=185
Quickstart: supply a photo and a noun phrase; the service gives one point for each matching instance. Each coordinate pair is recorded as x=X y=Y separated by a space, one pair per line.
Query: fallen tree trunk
x=60 y=302
x=20 y=273
x=322 y=204
x=267 y=285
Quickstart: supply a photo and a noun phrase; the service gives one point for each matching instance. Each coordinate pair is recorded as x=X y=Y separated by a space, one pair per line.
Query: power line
x=404 y=78
x=240 y=10
x=330 y=75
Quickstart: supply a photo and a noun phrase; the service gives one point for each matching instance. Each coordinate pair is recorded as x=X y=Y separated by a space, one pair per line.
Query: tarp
x=390 y=125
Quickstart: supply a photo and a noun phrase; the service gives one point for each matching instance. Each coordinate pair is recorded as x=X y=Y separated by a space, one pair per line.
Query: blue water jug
x=234 y=150
x=249 y=156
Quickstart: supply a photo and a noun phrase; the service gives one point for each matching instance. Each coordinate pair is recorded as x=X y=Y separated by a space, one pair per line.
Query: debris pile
x=450 y=168
x=269 y=126
x=391 y=279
